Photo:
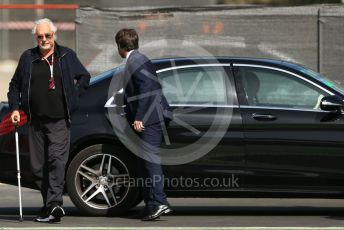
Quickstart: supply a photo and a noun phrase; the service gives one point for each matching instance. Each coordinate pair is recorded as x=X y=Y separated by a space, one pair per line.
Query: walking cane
x=18 y=170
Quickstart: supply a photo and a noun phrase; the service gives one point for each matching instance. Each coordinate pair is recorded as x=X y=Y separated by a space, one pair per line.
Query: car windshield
x=106 y=74
x=334 y=85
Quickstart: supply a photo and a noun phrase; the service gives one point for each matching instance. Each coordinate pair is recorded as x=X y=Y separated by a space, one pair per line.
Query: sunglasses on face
x=47 y=36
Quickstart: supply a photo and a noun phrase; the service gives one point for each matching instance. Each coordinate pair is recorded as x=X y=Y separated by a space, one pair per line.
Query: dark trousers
x=150 y=168
x=49 y=141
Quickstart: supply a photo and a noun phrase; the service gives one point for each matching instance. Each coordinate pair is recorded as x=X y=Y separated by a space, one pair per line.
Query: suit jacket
x=142 y=91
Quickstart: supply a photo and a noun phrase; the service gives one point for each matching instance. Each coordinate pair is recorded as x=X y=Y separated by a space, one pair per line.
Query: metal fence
x=308 y=35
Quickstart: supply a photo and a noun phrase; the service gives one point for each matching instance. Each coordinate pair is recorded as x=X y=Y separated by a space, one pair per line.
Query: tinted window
x=195 y=85
x=265 y=87
x=336 y=85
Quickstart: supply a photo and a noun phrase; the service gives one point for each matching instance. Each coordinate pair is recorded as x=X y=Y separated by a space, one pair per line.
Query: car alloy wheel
x=98 y=180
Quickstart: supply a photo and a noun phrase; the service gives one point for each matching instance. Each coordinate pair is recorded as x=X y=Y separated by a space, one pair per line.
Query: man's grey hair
x=44 y=21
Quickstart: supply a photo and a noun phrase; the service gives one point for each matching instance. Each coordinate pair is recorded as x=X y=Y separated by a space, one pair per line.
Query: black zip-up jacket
x=71 y=68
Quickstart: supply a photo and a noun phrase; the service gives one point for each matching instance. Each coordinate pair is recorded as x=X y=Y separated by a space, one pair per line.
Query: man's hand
x=138 y=126
x=15 y=117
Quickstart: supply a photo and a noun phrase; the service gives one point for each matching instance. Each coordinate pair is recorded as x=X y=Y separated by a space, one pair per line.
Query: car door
x=205 y=136
x=291 y=143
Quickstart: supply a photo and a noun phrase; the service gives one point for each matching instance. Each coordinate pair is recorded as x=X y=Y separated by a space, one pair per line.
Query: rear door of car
x=291 y=143
x=205 y=138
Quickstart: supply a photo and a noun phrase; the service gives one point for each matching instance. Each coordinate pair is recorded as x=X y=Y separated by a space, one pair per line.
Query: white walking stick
x=18 y=173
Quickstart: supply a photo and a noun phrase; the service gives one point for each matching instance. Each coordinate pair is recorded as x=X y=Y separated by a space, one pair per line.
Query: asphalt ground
x=195 y=213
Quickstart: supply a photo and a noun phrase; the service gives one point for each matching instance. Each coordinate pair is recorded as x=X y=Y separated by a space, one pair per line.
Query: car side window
x=273 y=88
x=195 y=85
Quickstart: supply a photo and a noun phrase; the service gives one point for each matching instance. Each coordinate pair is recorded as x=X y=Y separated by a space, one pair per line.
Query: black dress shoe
x=168 y=210
x=42 y=212
x=156 y=212
x=53 y=215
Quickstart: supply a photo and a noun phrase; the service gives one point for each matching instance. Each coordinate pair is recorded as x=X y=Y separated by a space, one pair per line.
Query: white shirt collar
x=129 y=54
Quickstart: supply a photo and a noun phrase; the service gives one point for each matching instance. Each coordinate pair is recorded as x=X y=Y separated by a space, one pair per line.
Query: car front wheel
x=99 y=180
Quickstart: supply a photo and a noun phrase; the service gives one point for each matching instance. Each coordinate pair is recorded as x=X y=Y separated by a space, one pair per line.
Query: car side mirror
x=332 y=103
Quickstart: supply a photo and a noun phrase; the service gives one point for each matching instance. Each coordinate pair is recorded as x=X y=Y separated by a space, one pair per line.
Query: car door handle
x=264 y=117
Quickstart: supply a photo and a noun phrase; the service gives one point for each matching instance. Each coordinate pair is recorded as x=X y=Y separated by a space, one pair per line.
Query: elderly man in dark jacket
x=46 y=85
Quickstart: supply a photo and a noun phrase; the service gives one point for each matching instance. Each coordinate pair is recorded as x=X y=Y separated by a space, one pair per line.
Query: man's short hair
x=127 y=39
x=44 y=21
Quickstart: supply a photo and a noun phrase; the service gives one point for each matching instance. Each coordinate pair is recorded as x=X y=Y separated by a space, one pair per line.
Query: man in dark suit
x=145 y=109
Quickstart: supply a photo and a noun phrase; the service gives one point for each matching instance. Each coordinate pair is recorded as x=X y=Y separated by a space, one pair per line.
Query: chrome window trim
x=281 y=108
x=189 y=66
x=245 y=107
x=285 y=71
x=205 y=105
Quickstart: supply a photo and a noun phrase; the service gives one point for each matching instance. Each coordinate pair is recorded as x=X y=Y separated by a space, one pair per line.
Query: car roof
x=162 y=63
x=167 y=62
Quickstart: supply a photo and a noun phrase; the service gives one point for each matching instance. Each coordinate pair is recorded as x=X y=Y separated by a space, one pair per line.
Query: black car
x=242 y=127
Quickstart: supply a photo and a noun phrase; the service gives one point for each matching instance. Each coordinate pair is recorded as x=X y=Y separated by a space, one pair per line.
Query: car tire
x=97 y=189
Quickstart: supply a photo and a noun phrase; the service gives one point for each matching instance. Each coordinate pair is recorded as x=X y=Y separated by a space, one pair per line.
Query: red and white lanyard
x=51 y=66
x=51 y=84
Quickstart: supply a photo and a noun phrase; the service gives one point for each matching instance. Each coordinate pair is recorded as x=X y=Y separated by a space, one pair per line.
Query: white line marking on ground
x=178 y=228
